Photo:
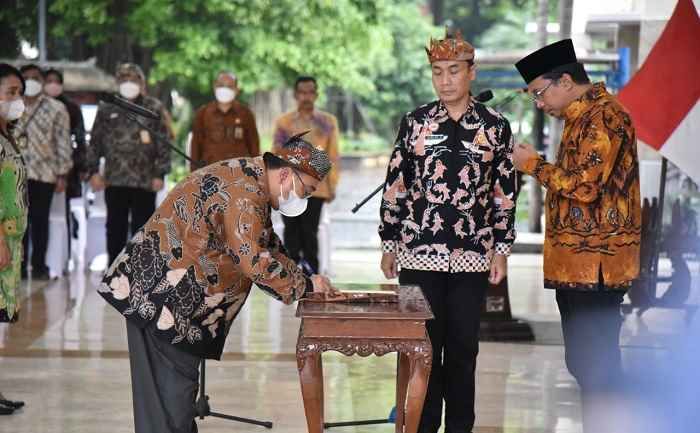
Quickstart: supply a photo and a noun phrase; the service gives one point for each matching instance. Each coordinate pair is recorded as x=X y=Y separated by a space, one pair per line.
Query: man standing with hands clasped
x=591 y=248
x=135 y=162
x=223 y=128
x=447 y=217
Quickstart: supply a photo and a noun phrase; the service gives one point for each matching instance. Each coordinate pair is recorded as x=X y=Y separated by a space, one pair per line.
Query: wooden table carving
x=367 y=329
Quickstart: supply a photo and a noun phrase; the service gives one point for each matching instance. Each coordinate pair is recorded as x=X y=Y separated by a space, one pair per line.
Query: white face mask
x=12 y=110
x=294 y=205
x=129 y=89
x=53 y=89
x=224 y=94
x=32 y=88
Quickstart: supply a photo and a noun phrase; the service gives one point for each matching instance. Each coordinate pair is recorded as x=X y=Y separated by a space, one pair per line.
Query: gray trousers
x=164 y=383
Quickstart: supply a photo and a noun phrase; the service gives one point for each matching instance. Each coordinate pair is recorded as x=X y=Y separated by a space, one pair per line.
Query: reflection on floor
x=67 y=359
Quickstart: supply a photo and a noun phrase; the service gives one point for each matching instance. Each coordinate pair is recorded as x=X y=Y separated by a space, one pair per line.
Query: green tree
x=266 y=42
x=405 y=80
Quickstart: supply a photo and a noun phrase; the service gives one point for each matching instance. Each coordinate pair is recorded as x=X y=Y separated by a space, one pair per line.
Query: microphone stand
x=202 y=404
x=158 y=136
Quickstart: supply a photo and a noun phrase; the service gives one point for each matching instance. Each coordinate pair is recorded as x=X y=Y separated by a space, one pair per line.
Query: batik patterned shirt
x=592 y=207
x=449 y=199
x=43 y=135
x=133 y=156
x=323 y=133
x=191 y=267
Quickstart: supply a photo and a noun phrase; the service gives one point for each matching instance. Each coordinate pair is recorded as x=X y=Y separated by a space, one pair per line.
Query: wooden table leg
x=311 y=377
x=402 y=376
x=417 y=388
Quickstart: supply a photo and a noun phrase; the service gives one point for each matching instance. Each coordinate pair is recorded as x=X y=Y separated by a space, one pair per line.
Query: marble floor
x=67 y=359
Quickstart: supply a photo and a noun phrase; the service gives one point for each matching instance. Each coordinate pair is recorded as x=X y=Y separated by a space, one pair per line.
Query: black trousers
x=456 y=300
x=164 y=383
x=301 y=233
x=591 y=323
x=123 y=202
x=39 y=195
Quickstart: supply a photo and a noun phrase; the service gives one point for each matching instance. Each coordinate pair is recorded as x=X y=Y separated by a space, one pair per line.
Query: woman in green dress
x=13 y=203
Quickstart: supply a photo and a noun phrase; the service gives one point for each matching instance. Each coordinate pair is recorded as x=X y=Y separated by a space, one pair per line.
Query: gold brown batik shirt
x=592 y=206
x=191 y=267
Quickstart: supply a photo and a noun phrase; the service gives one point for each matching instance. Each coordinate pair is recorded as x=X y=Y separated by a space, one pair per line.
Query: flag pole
x=654 y=275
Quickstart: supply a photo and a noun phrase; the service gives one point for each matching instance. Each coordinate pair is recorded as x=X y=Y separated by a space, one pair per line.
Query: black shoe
x=40 y=275
x=12 y=404
x=6 y=410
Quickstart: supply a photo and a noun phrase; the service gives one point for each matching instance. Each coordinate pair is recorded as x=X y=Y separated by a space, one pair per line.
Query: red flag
x=662 y=97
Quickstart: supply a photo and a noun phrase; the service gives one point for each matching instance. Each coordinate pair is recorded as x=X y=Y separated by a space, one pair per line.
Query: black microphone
x=507 y=100
x=484 y=96
x=128 y=105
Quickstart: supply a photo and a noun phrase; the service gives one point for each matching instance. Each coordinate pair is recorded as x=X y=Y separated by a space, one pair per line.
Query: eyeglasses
x=538 y=94
x=307 y=193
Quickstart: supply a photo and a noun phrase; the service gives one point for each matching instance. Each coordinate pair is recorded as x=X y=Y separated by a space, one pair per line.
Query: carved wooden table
x=366 y=329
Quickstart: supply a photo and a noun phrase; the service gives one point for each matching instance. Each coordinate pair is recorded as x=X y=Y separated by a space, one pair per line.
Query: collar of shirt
x=299 y=118
x=231 y=110
x=262 y=179
x=443 y=114
x=580 y=105
x=30 y=108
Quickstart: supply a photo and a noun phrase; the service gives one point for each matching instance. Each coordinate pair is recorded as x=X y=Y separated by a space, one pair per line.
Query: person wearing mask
x=184 y=277
x=136 y=162
x=301 y=233
x=223 y=128
x=44 y=139
x=74 y=186
x=13 y=203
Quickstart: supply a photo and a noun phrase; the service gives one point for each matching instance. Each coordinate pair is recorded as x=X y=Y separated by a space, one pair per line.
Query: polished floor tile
x=67 y=359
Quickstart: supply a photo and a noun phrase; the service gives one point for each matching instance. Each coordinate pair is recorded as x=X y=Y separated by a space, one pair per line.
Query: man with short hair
x=593 y=214
x=183 y=278
x=223 y=128
x=44 y=131
x=136 y=162
x=301 y=233
x=447 y=222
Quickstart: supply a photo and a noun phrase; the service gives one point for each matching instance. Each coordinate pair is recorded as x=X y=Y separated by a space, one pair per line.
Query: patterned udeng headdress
x=303 y=156
x=452 y=47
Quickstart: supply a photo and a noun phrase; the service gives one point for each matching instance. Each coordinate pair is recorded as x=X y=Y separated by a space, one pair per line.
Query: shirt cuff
x=389 y=246
x=503 y=249
x=530 y=164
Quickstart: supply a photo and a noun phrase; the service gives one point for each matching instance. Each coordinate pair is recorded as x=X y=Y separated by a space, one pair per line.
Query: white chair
x=57 y=250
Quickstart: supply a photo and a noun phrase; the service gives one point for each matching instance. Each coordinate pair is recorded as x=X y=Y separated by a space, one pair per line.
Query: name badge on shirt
x=238 y=133
x=145 y=137
x=433 y=139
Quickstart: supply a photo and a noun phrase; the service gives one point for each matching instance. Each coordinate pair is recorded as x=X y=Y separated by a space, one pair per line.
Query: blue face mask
x=292 y=206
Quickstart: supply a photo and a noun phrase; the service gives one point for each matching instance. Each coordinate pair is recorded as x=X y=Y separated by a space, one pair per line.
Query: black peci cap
x=547 y=59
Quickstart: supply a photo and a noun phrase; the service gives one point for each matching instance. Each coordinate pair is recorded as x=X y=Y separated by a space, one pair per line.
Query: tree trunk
x=535 y=196
x=437 y=7
x=556 y=126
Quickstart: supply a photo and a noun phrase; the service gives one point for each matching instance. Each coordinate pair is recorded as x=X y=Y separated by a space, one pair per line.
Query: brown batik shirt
x=592 y=206
x=191 y=267
x=217 y=136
